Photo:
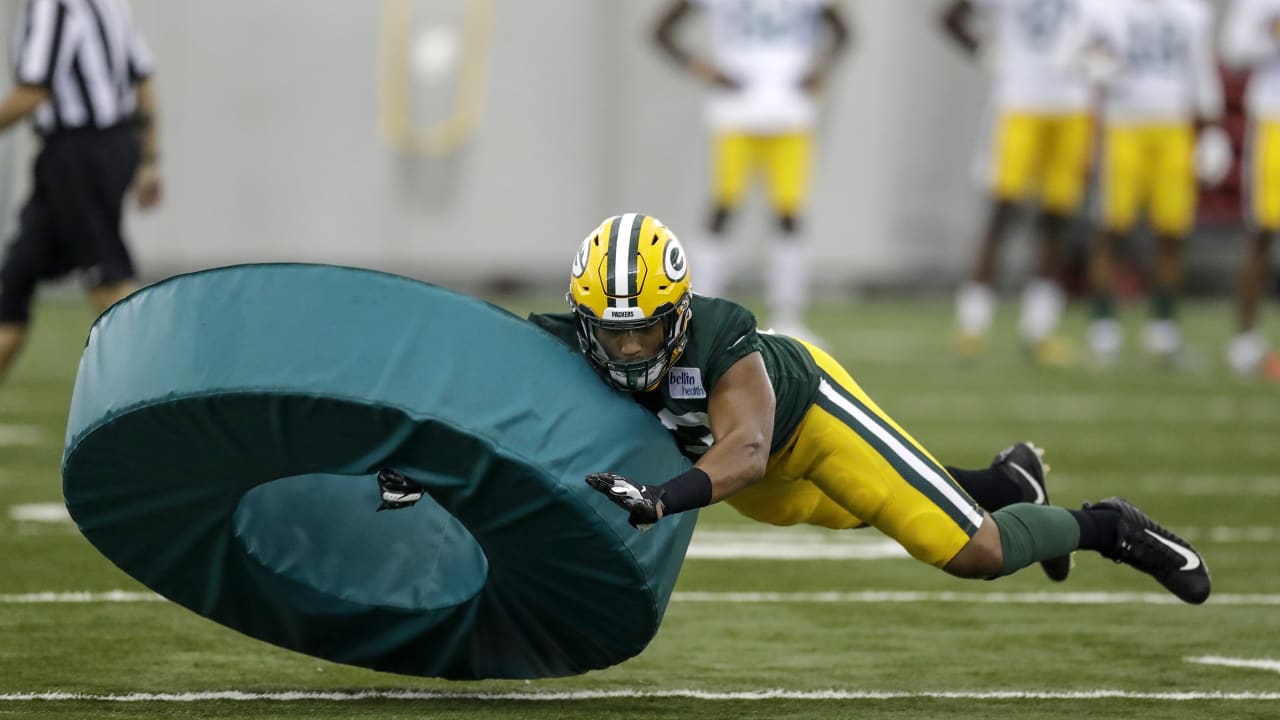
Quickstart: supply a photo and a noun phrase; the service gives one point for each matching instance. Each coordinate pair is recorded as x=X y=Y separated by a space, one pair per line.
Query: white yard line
x=1173 y=482
x=51 y=512
x=24 y=435
x=1146 y=408
x=792 y=545
x=866 y=597
x=769 y=543
x=872 y=597
x=1259 y=664
x=110 y=596
x=771 y=694
x=816 y=544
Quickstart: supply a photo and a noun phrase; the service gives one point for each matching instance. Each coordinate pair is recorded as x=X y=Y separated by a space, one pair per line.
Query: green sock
x=1163 y=305
x=1031 y=533
x=1103 y=306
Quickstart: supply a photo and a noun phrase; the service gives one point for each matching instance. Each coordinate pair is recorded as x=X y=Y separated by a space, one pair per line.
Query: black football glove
x=398 y=491
x=641 y=501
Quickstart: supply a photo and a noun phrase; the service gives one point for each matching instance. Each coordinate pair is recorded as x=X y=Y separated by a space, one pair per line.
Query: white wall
x=272 y=150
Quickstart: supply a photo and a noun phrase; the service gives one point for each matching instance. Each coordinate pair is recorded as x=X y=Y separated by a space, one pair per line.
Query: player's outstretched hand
x=643 y=504
x=398 y=491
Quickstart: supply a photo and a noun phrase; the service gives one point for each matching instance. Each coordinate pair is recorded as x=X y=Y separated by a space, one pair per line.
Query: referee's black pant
x=72 y=220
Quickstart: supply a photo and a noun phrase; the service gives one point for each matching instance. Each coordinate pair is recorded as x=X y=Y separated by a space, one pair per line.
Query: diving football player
x=779 y=430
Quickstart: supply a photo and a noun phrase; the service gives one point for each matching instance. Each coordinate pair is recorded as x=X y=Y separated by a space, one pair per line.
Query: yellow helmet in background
x=631 y=272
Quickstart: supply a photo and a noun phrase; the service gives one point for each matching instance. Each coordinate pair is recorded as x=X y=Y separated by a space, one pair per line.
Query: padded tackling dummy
x=223 y=443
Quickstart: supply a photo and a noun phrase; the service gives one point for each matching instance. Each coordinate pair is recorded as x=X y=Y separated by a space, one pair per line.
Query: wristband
x=686 y=491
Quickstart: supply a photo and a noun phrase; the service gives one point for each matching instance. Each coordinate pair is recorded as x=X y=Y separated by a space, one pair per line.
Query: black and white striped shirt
x=89 y=54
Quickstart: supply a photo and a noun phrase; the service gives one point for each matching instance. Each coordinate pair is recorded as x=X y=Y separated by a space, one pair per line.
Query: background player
x=1251 y=40
x=1162 y=105
x=766 y=61
x=1039 y=151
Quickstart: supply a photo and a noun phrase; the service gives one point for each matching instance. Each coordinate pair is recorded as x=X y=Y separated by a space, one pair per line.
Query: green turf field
x=825 y=625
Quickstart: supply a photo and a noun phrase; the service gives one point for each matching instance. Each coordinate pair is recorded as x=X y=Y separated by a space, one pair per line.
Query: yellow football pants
x=1149 y=168
x=849 y=465
x=1264 y=174
x=785 y=159
x=1043 y=156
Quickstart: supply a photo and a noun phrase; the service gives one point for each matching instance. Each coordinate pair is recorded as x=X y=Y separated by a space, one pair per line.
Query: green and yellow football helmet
x=631 y=273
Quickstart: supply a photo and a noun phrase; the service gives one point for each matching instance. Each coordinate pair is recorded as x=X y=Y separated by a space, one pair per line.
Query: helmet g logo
x=674 y=263
x=580 y=260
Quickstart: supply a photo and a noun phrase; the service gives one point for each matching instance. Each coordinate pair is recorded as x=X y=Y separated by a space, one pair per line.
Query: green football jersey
x=720 y=334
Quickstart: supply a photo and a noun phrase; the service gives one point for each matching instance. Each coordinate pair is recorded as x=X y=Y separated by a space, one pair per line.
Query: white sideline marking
x=110 y=596
x=791 y=545
x=772 y=544
x=40 y=512
x=773 y=694
x=1254 y=534
x=1087 y=409
x=1174 y=483
x=1272 y=665
x=13 y=435
x=867 y=597
x=1002 y=598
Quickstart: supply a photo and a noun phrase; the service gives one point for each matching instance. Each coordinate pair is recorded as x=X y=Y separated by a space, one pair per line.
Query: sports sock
x=1103 y=306
x=1162 y=337
x=1106 y=337
x=713 y=258
x=1042 y=304
x=975 y=308
x=990 y=487
x=1099 y=527
x=1163 y=304
x=787 y=281
x=1246 y=351
x=1031 y=533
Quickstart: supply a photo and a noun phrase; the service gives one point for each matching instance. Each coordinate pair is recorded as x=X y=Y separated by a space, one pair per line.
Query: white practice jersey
x=768 y=46
x=1026 y=33
x=1251 y=41
x=1164 y=66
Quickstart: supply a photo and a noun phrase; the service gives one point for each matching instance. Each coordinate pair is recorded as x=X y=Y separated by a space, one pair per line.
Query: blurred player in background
x=1251 y=40
x=1162 y=105
x=1040 y=151
x=765 y=62
x=83 y=74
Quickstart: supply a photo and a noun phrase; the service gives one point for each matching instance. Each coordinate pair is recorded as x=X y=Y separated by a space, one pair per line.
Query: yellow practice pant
x=1045 y=156
x=1149 y=168
x=1264 y=174
x=848 y=465
x=785 y=159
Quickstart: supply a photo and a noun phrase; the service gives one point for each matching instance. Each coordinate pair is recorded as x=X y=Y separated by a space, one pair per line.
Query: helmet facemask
x=645 y=374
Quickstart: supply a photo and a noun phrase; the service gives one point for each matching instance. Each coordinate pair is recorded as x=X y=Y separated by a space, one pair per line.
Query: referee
x=83 y=74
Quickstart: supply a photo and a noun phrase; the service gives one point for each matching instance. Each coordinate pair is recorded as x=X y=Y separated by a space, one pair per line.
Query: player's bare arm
x=956 y=21
x=147 y=184
x=664 y=35
x=21 y=101
x=841 y=38
x=741 y=409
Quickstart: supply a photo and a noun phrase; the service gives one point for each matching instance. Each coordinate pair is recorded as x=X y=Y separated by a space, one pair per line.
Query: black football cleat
x=1143 y=544
x=1023 y=463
